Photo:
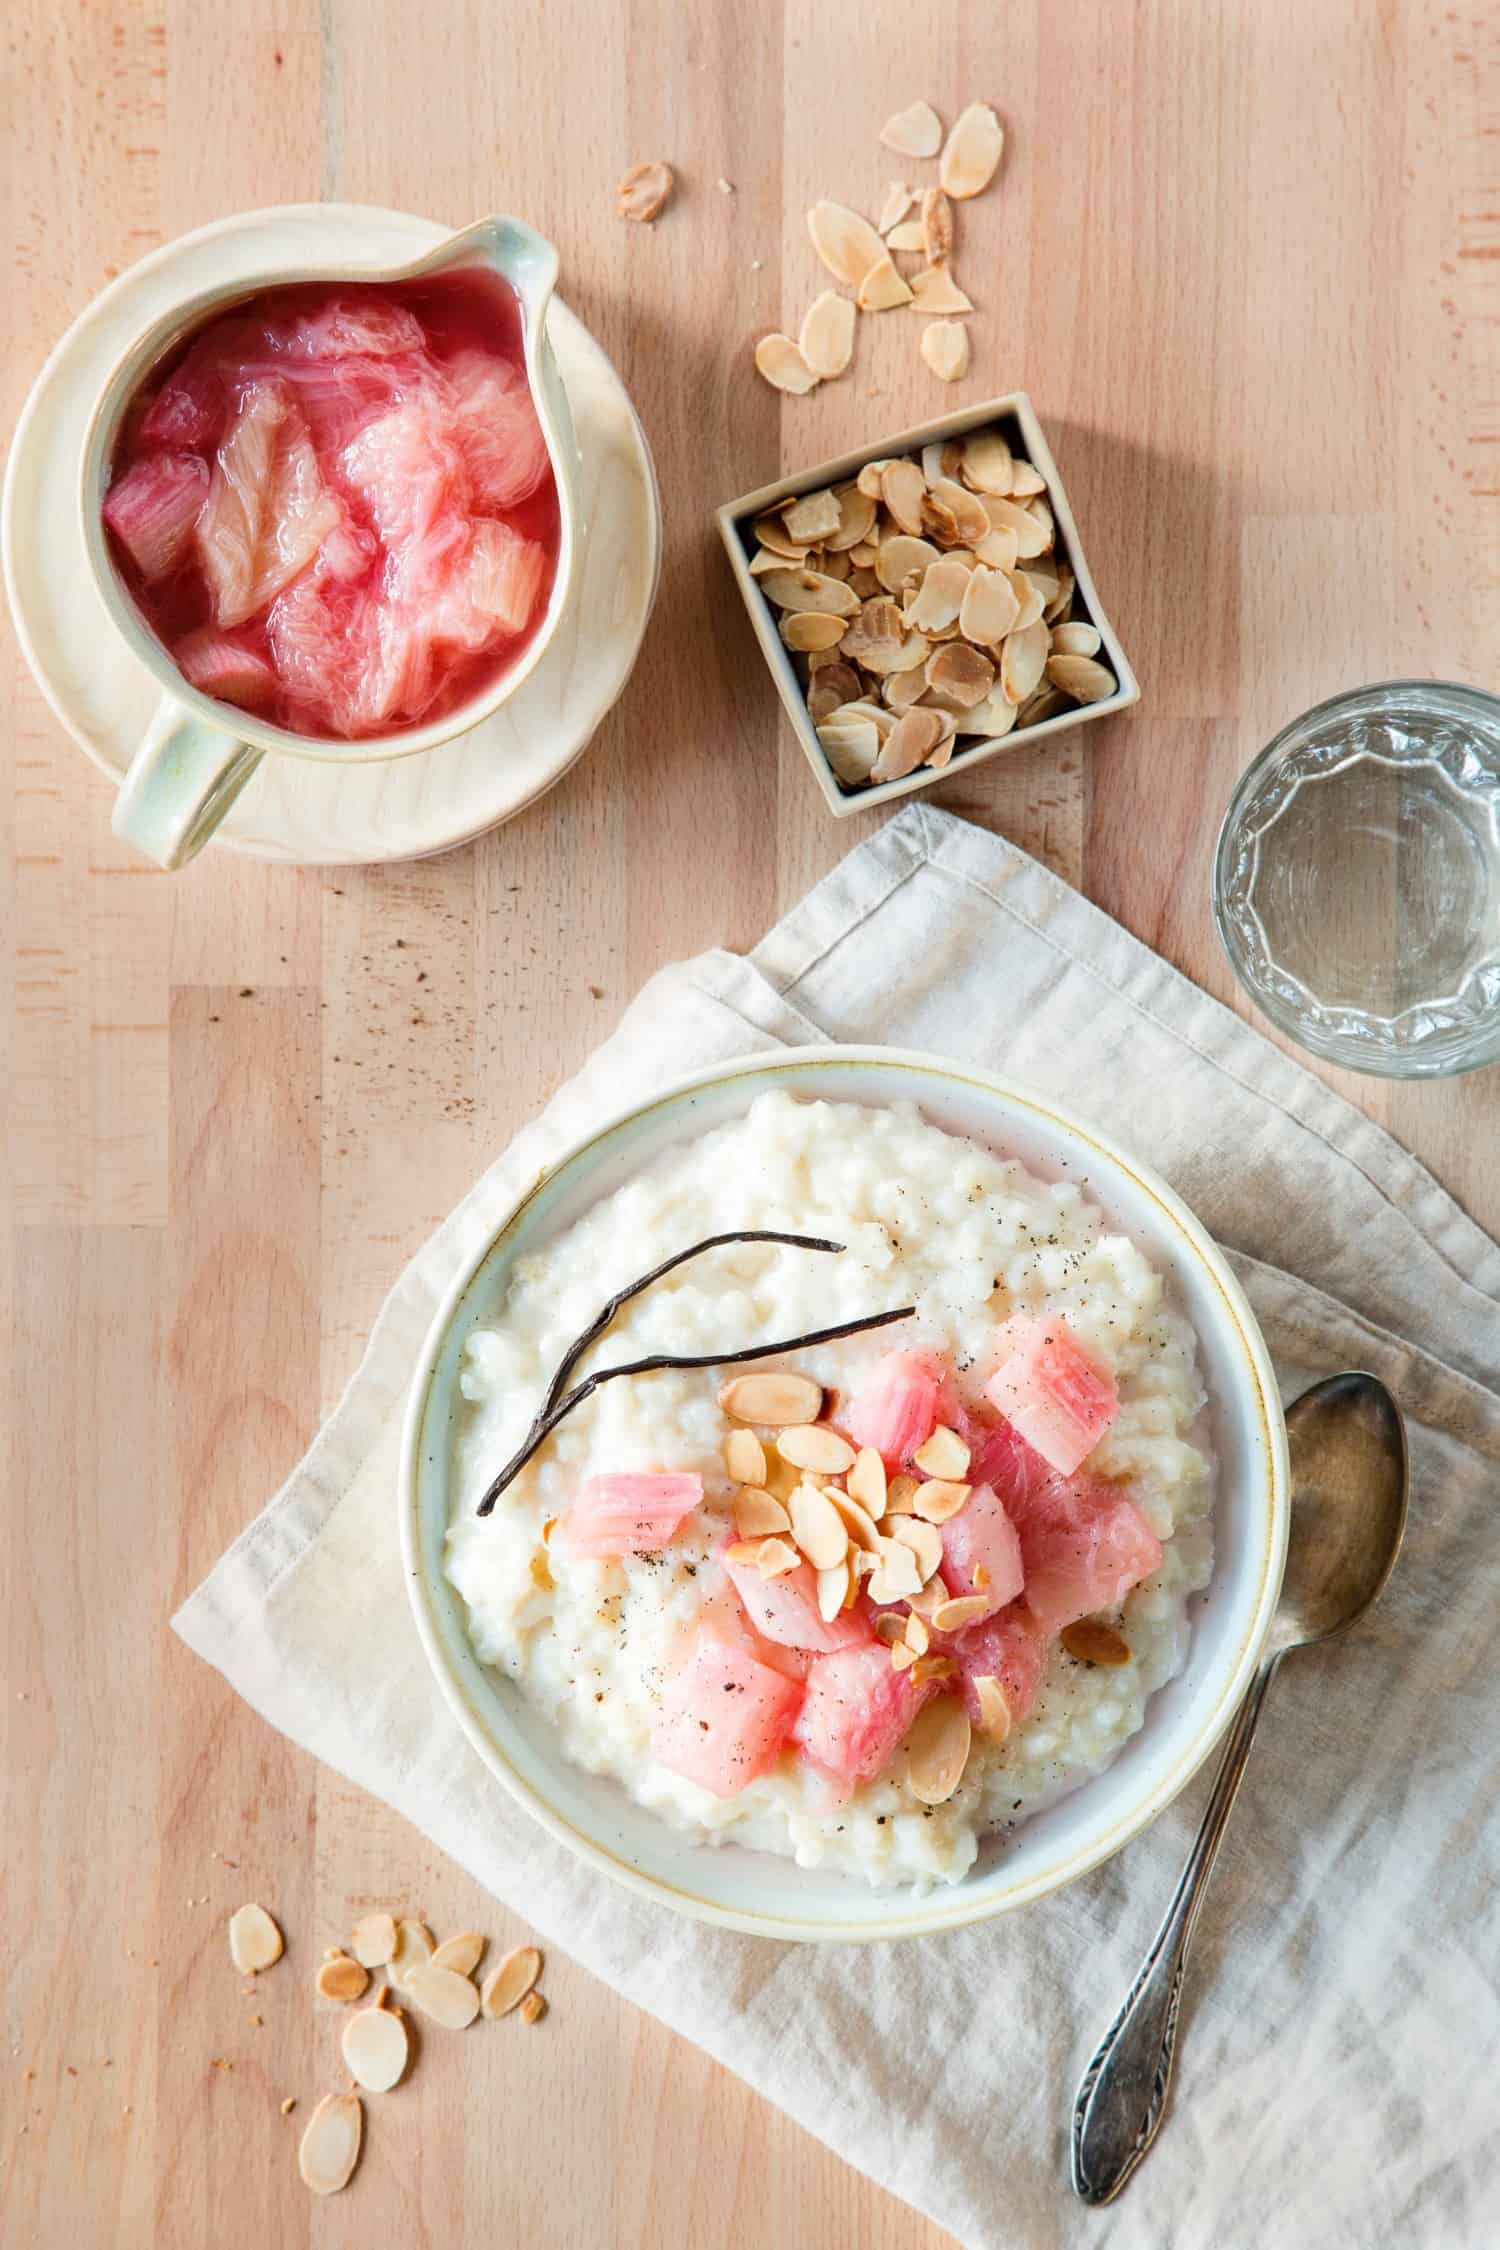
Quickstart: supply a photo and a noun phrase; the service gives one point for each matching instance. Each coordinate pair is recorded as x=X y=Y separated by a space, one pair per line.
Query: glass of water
x=1357 y=879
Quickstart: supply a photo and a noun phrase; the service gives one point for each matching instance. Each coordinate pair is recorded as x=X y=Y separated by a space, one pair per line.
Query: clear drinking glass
x=1357 y=879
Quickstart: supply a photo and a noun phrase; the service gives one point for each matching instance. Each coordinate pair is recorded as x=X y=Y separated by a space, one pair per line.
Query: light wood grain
x=1247 y=261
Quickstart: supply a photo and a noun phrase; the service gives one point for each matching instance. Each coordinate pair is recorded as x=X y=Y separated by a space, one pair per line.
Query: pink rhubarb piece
x=629 y=1514
x=785 y=1609
x=219 y=665
x=897 y=1405
x=1084 y=1544
x=1011 y=1648
x=724 y=1716
x=857 y=1712
x=153 y=508
x=1056 y=1394
x=981 y=1537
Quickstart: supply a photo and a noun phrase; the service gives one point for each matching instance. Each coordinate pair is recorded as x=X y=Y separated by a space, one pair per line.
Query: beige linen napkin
x=1337 y=2080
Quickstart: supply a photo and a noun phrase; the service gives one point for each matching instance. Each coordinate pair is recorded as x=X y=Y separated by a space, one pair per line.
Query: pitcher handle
x=181 y=782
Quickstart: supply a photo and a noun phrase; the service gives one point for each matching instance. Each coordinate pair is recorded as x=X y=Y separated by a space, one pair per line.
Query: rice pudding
x=862 y=1602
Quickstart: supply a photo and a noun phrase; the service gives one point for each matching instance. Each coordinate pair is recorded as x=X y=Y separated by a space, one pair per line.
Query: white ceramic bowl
x=759 y=1892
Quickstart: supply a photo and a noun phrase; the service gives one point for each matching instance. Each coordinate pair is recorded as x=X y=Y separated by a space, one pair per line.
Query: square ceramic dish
x=756 y=1891
x=1017 y=419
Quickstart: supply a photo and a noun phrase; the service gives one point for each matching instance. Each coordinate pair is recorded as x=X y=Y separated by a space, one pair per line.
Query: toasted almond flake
x=876 y=633
x=289 y=2103
x=329 y=2148
x=903 y=1655
x=939 y=521
x=744 y=1550
x=758 y=1514
x=964 y=1609
x=899 y=1575
x=991 y=718
x=1026 y=480
x=939 y=1498
x=987 y=462
x=644 y=191
x=909 y=235
x=972 y=151
x=882 y=288
x=342 y=1978
x=460 y=1953
x=374 y=1940
x=981 y=1577
x=1048 y=703
x=914 y=131
x=989 y=608
x=867 y=1482
x=945 y=347
x=856 y=522
x=833 y=1588
x=830 y=688
x=861 y=1527
x=1081 y=677
x=903 y=689
x=1058 y=609
x=745 y=1457
x=890 y=1627
x=818 y=1528
x=914 y=736
x=932 y=1668
x=940 y=596
x=851 y=750
x=809 y=591
x=1075 y=638
x=1043 y=575
x=871 y=477
x=510 y=1980
x=254 y=1940
x=449 y=1999
x=847 y=244
x=1028 y=601
x=779 y=361
x=832 y=562
x=811 y=516
x=775 y=1556
x=1022 y=661
x=900 y=1493
x=862 y=554
x=414 y=1947
x=965 y=508
x=937 y=1750
x=918 y=1639
x=958 y=677
x=937 y=229
x=882 y=721
x=815 y=1446
x=998 y=550
x=774 y=536
x=809 y=629
x=376 y=2048
x=826 y=337
x=924 y=1541
x=1042 y=516
x=994 y=1711
x=903 y=489
x=1092 y=1642
x=532 y=2008
x=931 y=1597
x=898 y=201
x=1008 y=515
x=944 y=1455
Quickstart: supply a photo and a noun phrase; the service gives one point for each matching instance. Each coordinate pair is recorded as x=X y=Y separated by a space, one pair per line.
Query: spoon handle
x=1118 y=2109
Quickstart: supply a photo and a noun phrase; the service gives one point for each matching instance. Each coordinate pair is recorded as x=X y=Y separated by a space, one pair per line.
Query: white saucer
x=295 y=808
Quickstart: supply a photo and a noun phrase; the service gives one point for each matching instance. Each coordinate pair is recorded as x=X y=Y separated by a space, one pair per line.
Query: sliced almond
x=964 y=1609
x=809 y=591
x=811 y=517
x=958 y=677
x=376 y=2048
x=911 y=740
x=814 y=1446
x=744 y=1550
x=939 y=522
x=759 y=1514
x=805 y=630
x=965 y=507
x=972 y=151
x=903 y=1655
x=937 y=226
x=773 y=534
x=898 y=201
x=1022 y=661
x=1028 y=600
x=940 y=596
x=890 y=1627
x=862 y=1529
x=461 y=1953
x=1093 y=1642
x=329 y=2149
x=910 y=235
x=937 y=1750
x=903 y=487
x=1081 y=677
x=900 y=1493
x=782 y=1479
x=882 y=288
x=1026 y=480
x=342 y=1978
x=847 y=244
x=989 y=608
x=763 y=560
x=903 y=689
x=987 y=462
x=871 y=477
x=994 y=1711
x=924 y=1540
x=943 y=1455
x=918 y=1639
x=882 y=721
x=374 y=1940
x=532 y=2008
x=745 y=1457
x=932 y=1596
x=945 y=347
x=999 y=550
x=775 y=1556
x=914 y=131
x=862 y=554
x=827 y=695
x=903 y=557
x=939 y=1498
x=774 y=1400
x=779 y=361
x=414 y=1948
x=856 y=522
x=898 y=1576
x=254 y=1940
x=1058 y=609
x=1048 y=703
x=644 y=192
x=866 y=1482
x=932 y=1668
x=877 y=631
x=1009 y=515
x=826 y=337
x=1042 y=516
x=994 y=717
x=833 y=1590
x=449 y=1999
x=850 y=748
x=1075 y=638
x=510 y=1980
x=817 y=1527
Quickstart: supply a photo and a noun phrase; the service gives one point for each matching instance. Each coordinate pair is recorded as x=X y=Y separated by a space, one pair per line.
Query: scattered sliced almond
x=532 y=2008
x=890 y=1627
x=832 y=688
x=461 y=1953
x=449 y=1999
x=856 y=521
x=772 y=1401
x=989 y=608
x=882 y=287
x=847 y=244
x=937 y=226
x=255 y=1942
x=1047 y=703
x=1075 y=639
x=866 y=1482
x=972 y=151
x=804 y=630
x=900 y=1493
x=931 y=1597
x=833 y=1590
x=773 y=535
x=1081 y=677
x=943 y=1455
x=959 y=676
x=940 y=596
x=809 y=591
x=779 y=361
x=862 y=1528
x=811 y=517
x=414 y=1947
x=994 y=1711
x=898 y=201
x=1093 y=1642
x=909 y=235
x=1027 y=482
x=923 y=1539
x=644 y=191
x=826 y=337
x=818 y=1528
x=913 y=738
x=964 y=1609
x=510 y=1980
x=374 y=1940
x=758 y=1514
x=939 y=1498
x=970 y=517
x=945 y=347
x=376 y=2047
x=932 y=1668
x=899 y=1575
x=987 y=463
x=342 y=1978
x=774 y=1557
x=903 y=489
x=329 y=2149
x=903 y=1655
x=914 y=131
x=1022 y=661
x=814 y=1445
x=744 y=1455
x=937 y=1750
x=991 y=718
x=851 y=750
x=870 y=476
x=918 y=1639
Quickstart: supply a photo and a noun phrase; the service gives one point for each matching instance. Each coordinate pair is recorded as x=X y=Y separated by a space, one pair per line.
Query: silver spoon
x=1349 y=1480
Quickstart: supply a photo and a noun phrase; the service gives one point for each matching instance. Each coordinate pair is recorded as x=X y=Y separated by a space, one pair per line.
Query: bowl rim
x=938 y=1910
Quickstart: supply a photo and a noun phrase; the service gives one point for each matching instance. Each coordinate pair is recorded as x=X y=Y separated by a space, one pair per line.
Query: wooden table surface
x=1245 y=258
